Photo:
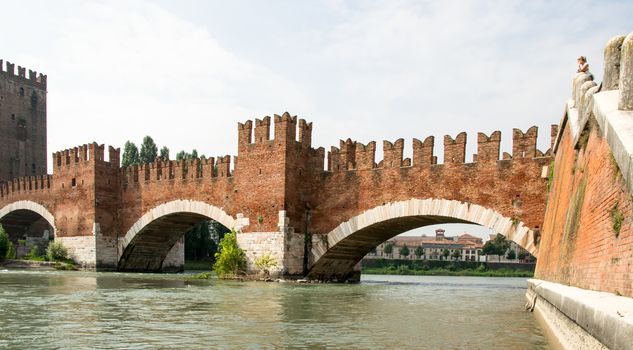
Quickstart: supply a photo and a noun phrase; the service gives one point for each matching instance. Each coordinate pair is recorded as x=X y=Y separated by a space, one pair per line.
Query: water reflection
x=133 y=311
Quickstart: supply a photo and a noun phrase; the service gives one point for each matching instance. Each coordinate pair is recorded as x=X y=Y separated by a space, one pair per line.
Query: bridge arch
x=23 y=211
x=148 y=241
x=335 y=256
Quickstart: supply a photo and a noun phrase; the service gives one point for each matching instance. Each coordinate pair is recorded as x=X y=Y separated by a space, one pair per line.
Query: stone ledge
x=617 y=126
x=606 y=317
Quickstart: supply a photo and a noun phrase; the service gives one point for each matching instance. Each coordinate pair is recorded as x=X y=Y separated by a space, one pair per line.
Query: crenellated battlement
x=352 y=155
x=286 y=130
x=35 y=79
x=455 y=149
x=25 y=184
x=85 y=154
x=183 y=170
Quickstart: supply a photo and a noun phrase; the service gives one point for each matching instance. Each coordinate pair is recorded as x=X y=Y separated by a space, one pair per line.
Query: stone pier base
x=582 y=319
x=286 y=248
x=175 y=259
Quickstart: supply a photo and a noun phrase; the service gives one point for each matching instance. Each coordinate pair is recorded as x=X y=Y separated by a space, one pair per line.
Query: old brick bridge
x=280 y=198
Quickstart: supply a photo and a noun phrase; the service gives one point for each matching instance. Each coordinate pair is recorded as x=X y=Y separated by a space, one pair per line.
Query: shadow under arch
x=147 y=243
x=336 y=255
x=22 y=215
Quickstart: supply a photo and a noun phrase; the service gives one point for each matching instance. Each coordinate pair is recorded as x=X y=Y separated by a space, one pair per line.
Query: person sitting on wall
x=583 y=66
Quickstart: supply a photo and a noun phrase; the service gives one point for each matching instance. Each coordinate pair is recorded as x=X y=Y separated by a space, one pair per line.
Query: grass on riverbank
x=480 y=272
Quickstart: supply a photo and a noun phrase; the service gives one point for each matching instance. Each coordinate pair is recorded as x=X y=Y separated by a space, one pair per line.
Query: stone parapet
x=580 y=318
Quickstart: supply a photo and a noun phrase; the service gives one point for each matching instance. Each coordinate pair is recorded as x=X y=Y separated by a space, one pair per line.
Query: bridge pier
x=175 y=259
x=285 y=246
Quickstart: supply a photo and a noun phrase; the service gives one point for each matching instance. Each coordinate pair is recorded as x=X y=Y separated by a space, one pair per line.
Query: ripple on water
x=132 y=311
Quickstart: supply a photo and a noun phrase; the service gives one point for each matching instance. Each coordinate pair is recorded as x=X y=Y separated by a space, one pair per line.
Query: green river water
x=84 y=310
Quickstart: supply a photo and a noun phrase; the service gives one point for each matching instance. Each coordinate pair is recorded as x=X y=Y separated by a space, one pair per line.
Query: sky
x=186 y=72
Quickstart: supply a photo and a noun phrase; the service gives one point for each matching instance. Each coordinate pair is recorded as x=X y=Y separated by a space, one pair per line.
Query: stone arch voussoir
x=173 y=207
x=511 y=229
x=31 y=206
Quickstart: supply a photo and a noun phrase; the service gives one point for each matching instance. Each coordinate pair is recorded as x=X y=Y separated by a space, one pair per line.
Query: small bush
x=230 y=260
x=4 y=243
x=34 y=255
x=265 y=264
x=10 y=251
x=56 y=251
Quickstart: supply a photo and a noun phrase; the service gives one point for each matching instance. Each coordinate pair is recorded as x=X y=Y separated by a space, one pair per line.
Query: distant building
x=465 y=247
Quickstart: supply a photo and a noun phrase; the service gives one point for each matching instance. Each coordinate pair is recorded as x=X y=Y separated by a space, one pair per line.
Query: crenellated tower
x=22 y=122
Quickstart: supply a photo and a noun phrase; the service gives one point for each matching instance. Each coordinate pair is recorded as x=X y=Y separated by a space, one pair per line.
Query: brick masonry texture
x=579 y=245
x=22 y=122
x=276 y=169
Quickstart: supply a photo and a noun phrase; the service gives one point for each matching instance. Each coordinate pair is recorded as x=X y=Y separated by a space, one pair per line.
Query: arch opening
x=337 y=255
x=156 y=242
x=27 y=229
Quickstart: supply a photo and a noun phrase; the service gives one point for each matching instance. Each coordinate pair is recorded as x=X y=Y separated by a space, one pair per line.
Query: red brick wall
x=579 y=245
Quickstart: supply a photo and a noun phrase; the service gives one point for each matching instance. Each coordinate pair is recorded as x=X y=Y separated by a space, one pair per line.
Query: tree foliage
x=419 y=251
x=388 y=248
x=182 y=155
x=4 y=243
x=456 y=254
x=130 y=154
x=445 y=253
x=164 y=153
x=497 y=246
x=201 y=240
x=149 y=151
x=404 y=251
x=230 y=260
x=511 y=255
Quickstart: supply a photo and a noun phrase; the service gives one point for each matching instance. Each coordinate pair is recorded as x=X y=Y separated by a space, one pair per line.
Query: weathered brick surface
x=579 y=245
x=22 y=122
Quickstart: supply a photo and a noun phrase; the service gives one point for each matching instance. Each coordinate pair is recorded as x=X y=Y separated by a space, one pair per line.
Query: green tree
x=497 y=246
x=388 y=248
x=130 y=154
x=4 y=243
x=404 y=251
x=445 y=253
x=230 y=260
x=181 y=155
x=200 y=240
x=522 y=255
x=419 y=251
x=511 y=255
x=456 y=254
x=149 y=151
x=164 y=153
x=194 y=154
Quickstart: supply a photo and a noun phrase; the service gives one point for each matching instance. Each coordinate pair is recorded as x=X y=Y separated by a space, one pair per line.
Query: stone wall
x=258 y=244
x=82 y=249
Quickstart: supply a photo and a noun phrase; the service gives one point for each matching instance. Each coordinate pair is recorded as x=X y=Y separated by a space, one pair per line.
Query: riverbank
x=19 y=264
x=404 y=270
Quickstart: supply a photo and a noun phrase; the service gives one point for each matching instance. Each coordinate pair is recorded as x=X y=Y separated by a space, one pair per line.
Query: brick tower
x=22 y=122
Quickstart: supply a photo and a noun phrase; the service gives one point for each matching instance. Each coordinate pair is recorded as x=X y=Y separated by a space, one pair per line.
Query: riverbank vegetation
x=480 y=271
x=55 y=253
x=446 y=268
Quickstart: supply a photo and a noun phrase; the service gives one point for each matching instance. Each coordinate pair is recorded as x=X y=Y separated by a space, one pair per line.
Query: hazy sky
x=185 y=72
